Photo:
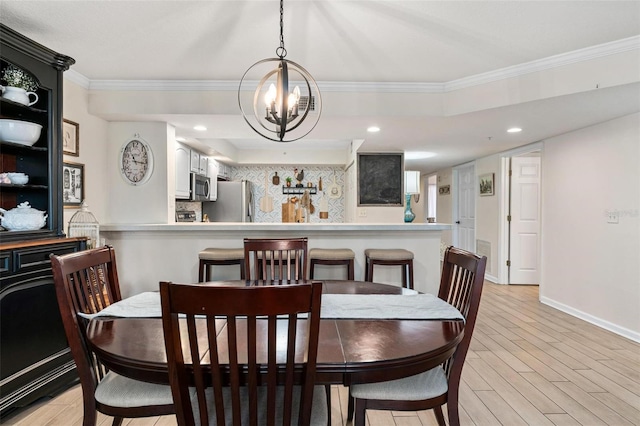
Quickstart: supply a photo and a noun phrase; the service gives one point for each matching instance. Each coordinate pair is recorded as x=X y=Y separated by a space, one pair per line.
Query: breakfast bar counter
x=150 y=253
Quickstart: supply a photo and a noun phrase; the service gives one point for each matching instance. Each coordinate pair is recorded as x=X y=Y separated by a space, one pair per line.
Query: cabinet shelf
x=294 y=190
x=16 y=147
x=21 y=187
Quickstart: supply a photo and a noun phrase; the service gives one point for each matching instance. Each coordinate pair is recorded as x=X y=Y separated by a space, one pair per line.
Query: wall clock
x=136 y=161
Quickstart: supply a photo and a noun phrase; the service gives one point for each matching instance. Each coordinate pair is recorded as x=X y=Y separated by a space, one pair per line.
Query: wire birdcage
x=84 y=224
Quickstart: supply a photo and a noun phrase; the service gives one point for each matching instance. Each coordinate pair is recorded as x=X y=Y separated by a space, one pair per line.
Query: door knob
x=458 y=222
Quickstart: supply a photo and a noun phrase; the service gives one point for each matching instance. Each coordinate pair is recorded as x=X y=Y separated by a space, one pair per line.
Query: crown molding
x=563 y=59
x=586 y=54
x=77 y=78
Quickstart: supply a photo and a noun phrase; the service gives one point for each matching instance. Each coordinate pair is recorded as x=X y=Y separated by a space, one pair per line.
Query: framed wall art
x=486 y=184
x=70 y=138
x=380 y=179
x=444 y=190
x=72 y=184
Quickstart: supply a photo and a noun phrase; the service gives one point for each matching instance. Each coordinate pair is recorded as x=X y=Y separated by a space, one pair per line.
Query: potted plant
x=20 y=85
x=288 y=179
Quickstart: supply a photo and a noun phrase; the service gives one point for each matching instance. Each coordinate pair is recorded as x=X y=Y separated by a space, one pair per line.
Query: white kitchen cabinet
x=183 y=158
x=195 y=161
x=203 y=169
x=224 y=171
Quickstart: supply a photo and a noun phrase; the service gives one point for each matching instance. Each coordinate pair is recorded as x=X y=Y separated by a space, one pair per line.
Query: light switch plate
x=613 y=216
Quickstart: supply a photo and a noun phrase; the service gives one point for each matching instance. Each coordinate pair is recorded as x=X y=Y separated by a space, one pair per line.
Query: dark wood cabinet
x=35 y=360
x=42 y=161
x=34 y=353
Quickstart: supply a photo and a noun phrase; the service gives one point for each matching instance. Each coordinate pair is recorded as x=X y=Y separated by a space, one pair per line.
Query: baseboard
x=491 y=278
x=622 y=331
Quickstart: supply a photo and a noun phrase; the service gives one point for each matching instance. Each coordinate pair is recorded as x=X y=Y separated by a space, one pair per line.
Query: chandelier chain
x=281 y=51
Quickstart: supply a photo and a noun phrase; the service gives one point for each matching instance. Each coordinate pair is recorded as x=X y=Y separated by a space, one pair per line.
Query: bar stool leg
x=410 y=267
x=350 y=270
x=201 y=271
x=369 y=274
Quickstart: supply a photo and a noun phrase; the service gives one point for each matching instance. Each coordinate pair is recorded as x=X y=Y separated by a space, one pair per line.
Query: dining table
x=353 y=348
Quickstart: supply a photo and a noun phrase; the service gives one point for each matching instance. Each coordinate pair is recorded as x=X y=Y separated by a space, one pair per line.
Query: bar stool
x=218 y=256
x=344 y=257
x=390 y=257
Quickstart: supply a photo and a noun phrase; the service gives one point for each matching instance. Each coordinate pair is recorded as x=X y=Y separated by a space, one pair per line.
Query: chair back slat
x=85 y=282
x=259 y=347
x=276 y=259
x=461 y=286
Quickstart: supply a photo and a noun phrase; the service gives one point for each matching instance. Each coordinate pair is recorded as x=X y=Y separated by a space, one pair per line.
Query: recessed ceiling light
x=199 y=128
x=373 y=129
x=514 y=130
x=418 y=155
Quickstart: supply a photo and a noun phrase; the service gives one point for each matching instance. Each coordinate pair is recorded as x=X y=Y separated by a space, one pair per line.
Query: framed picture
x=380 y=179
x=72 y=184
x=70 y=138
x=444 y=190
x=486 y=185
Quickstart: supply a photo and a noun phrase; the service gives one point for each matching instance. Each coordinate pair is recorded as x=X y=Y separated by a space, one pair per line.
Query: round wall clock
x=136 y=161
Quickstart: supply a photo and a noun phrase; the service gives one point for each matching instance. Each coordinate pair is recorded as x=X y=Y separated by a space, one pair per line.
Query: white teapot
x=16 y=94
x=23 y=218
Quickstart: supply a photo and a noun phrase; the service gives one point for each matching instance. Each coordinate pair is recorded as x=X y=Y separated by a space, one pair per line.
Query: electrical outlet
x=362 y=212
x=613 y=216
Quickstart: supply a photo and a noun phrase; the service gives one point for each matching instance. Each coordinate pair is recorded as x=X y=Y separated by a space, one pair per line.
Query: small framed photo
x=70 y=138
x=72 y=185
x=486 y=184
x=444 y=190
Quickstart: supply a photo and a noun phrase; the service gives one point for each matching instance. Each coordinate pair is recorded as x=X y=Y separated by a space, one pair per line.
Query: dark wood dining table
x=350 y=350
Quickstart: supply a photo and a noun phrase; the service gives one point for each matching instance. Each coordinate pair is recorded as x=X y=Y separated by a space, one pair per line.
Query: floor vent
x=484 y=249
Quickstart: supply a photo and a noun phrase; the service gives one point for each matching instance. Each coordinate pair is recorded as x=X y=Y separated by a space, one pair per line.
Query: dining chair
x=275 y=259
x=85 y=283
x=461 y=286
x=251 y=357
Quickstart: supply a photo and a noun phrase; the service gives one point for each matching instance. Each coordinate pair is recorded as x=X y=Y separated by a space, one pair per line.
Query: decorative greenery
x=16 y=77
x=289 y=179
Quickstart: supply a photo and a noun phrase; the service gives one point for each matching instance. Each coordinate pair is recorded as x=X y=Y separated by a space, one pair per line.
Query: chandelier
x=285 y=101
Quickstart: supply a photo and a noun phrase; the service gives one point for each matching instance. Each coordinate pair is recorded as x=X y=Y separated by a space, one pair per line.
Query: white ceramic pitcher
x=18 y=95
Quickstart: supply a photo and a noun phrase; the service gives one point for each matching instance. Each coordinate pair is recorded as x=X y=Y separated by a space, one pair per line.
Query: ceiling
x=376 y=53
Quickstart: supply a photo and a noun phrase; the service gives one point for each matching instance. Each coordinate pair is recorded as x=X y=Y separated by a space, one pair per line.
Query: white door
x=524 y=244
x=465 y=221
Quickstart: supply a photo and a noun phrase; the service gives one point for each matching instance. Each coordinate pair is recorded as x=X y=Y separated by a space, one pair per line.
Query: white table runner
x=334 y=306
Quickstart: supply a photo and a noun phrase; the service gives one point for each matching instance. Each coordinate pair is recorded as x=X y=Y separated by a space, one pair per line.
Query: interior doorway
x=522 y=218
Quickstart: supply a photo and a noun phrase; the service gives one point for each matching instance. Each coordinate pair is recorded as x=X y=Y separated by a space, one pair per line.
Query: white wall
x=591 y=268
x=148 y=203
x=92 y=152
x=488 y=212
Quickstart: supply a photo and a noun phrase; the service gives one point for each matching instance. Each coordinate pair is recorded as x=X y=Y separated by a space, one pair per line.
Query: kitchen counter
x=276 y=227
x=150 y=253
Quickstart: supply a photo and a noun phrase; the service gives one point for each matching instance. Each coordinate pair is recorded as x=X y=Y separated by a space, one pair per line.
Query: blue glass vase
x=408 y=214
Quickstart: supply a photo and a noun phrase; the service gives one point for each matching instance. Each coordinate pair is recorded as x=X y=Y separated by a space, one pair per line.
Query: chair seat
x=119 y=391
x=331 y=254
x=319 y=414
x=427 y=385
x=221 y=254
x=388 y=254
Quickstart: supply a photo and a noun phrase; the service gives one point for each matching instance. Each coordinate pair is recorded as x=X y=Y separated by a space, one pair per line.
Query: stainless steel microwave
x=200 y=187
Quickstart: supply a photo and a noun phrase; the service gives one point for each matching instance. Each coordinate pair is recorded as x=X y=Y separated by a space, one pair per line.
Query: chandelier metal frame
x=282 y=114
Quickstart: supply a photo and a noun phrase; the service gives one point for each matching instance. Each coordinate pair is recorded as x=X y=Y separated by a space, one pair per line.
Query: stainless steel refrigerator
x=234 y=203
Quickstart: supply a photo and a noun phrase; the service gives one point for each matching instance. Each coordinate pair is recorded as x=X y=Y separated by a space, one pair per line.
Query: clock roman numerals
x=136 y=161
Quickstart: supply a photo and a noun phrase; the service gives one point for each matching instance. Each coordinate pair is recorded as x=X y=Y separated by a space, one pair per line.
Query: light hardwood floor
x=529 y=364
